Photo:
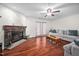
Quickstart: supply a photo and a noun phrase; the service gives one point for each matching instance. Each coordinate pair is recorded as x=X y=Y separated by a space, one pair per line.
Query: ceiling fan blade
x=45 y=16
x=43 y=11
x=52 y=15
x=42 y=14
x=56 y=11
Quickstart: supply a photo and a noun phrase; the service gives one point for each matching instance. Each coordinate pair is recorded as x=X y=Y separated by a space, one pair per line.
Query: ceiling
x=34 y=9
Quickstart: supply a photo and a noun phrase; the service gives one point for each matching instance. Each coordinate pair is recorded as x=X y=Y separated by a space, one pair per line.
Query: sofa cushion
x=52 y=31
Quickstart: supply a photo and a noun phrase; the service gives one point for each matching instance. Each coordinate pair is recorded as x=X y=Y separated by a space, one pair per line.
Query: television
x=73 y=32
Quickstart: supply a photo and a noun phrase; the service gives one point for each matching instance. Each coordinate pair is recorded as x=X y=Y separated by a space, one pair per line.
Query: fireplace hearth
x=13 y=34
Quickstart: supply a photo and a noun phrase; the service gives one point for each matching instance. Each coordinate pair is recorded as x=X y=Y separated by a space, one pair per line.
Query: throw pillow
x=76 y=42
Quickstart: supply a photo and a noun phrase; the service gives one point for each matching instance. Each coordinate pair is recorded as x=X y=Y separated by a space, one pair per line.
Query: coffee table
x=55 y=39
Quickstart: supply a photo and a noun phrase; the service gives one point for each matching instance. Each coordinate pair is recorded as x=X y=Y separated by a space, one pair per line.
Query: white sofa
x=65 y=37
x=71 y=49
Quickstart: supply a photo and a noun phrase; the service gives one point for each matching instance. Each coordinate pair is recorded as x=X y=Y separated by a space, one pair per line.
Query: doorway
x=41 y=28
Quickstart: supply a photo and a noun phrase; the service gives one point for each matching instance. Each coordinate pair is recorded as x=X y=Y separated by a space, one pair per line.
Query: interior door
x=44 y=29
x=40 y=28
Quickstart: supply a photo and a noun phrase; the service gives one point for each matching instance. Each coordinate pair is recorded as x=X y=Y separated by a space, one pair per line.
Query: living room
x=47 y=26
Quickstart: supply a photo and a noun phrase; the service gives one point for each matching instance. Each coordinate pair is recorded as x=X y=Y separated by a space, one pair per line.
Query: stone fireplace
x=13 y=34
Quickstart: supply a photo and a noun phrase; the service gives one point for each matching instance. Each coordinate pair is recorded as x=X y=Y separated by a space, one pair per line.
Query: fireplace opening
x=16 y=36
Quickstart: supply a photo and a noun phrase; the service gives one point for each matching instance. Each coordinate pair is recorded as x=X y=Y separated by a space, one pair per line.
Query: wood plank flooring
x=39 y=46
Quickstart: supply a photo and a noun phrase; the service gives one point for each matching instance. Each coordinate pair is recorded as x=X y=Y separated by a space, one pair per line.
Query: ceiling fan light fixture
x=49 y=10
x=49 y=14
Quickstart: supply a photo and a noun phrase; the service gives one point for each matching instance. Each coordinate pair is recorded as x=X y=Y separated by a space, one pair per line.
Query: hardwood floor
x=39 y=46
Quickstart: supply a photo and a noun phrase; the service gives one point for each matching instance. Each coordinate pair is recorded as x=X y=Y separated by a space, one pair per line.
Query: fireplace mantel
x=13 y=34
x=13 y=28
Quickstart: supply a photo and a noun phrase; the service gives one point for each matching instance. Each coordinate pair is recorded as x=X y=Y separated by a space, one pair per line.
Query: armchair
x=71 y=49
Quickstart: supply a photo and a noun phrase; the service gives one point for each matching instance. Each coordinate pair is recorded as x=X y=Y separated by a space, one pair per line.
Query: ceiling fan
x=50 y=12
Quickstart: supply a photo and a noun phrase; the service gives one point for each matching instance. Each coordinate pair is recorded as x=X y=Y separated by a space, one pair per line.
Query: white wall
x=31 y=26
x=70 y=22
x=10 y=17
